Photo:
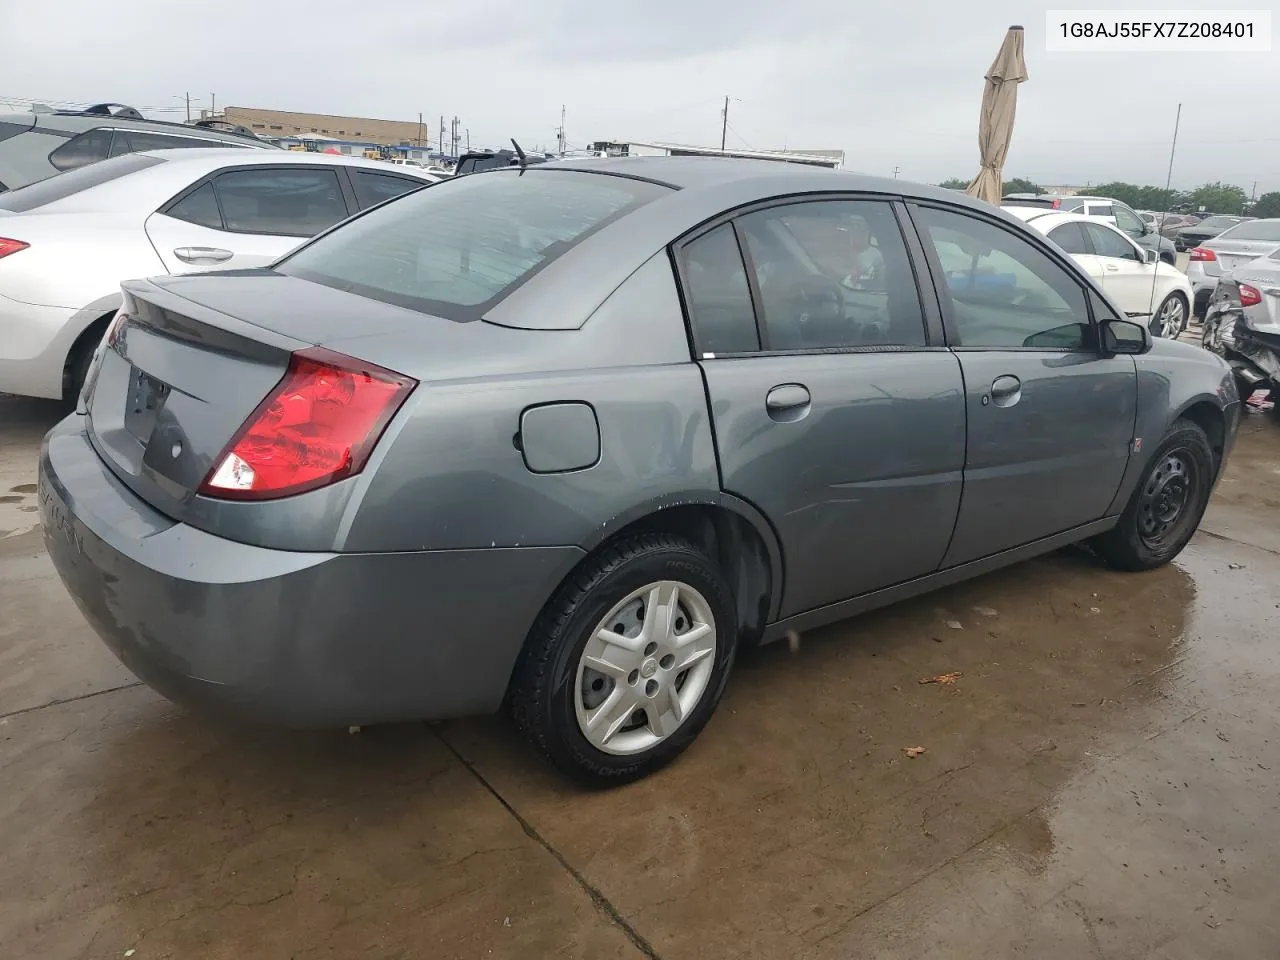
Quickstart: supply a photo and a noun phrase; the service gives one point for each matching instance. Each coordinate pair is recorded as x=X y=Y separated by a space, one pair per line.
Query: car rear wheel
x=1170 y=319
x=1167 y=505
x=627 y=662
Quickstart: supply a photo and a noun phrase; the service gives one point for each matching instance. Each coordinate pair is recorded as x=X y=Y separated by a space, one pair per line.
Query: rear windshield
x=1254 y=230
x=457 y=248
x=1219 y=221
x=73 y=181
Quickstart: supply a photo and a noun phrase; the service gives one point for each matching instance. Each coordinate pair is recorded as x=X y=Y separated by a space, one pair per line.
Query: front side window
x=1128 y=222
x=82 y=150
x=833 y=274
x=1101 y=210
x=1070 y=238
x=1108 y=243
x=719 y=297
x=287 y=203
x=459 y=248
x=1003 y=292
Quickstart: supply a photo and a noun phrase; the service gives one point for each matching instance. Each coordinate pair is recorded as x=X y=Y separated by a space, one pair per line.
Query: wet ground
x=1101 y=780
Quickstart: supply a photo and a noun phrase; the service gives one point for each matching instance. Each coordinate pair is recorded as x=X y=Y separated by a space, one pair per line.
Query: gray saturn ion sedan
x=566 y=438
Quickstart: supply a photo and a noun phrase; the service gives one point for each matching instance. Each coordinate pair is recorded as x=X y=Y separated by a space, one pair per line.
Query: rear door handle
x=1006 y=390
x=788 y=402
x=202 y=254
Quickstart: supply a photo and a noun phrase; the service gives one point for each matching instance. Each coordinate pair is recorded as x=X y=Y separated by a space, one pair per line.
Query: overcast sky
x=892 y=83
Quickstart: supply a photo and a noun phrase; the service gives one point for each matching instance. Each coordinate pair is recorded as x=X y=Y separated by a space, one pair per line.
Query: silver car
x=1230 y=249
x=566 y=438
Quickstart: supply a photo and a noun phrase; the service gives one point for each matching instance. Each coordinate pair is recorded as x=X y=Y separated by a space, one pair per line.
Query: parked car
x=36 y=146
x=1230 y=249
x=66 y=243
x=1203 y=230
x=1242 y=324
x=1144 y=287
x=1112 y=211
x=1171 y=223
x=547 y=438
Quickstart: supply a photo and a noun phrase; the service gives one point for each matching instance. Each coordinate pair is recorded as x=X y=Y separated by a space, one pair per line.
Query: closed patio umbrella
x=995 y=125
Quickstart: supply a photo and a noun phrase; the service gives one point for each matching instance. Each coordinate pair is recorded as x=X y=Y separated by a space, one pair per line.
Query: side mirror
x=1125 y=337
x=1151 y=255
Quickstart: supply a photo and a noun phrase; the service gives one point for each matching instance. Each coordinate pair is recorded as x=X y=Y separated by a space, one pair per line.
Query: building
x=285 y=124
x=814 y=158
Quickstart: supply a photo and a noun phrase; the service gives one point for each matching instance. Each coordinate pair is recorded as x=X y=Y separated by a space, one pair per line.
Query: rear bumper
x=33 y=348
x=288 y=638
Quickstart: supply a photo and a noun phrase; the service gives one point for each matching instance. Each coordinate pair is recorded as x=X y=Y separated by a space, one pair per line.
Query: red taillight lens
x=1200 y=253
x=317 y=426
x=1057 y=204
x=8 y=246
x=1249 y=296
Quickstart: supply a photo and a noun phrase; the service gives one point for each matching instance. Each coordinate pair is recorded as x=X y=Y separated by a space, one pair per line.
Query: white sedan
x=66 y=243
x=1141 y=284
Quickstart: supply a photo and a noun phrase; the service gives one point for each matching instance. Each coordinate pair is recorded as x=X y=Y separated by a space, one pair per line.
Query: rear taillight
x=8 y=246
x=1249 y=296
x=1200 y=253
x=1057 y=204
x=318 y=426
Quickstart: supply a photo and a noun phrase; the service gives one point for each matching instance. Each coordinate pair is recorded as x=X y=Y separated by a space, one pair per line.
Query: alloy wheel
x=645 y=668
x=1172 y=319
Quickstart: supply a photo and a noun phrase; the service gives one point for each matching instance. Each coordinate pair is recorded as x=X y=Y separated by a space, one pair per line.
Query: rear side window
x=373 y=188
x=8 y=129
x=199 y=207
x=1070 y=238
x=60 y=187
x=289 y=203
x=82 y=150
x=719 y=298
x=133 y=141
x=1101 y=210
x=459 y=248
x=1070 y=205
x=833 y=274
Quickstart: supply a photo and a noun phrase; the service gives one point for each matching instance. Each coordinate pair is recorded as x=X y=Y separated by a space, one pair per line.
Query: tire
x=1136 y=542
x=1173 y=315
x=555 y=693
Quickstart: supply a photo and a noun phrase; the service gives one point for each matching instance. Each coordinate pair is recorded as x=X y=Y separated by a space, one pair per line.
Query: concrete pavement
x=1101 y=781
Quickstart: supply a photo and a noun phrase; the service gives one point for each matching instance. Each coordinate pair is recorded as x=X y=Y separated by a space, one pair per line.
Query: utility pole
x=419 y=129
x=560 y=133
x=213 y=105
x=724 y=126
x=453 y=130
x=188 y=106
x=896 y=171
x=468 y=139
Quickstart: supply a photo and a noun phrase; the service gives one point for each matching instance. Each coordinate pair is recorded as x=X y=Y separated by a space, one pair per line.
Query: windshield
x=1254 y=230
x=73 y=181
x=457 y=248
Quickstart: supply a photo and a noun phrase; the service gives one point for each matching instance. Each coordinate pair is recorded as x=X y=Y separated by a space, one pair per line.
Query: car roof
x=767 y=178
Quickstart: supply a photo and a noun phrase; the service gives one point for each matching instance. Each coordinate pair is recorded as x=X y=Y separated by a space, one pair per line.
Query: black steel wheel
x=1165 y=509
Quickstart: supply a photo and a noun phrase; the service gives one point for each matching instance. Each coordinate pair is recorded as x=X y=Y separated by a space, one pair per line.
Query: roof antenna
x=520 y=153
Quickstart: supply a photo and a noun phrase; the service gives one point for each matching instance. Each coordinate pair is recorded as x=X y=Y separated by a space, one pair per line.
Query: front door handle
x=788 y=402
x=1006 y=390
x=1112 y=267
x=202 y=254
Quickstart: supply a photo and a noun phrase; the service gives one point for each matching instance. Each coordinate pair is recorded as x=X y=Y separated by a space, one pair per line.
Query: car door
x=1050 y=417
x=1126 y=276
x=835 y=412
x=1071 y=237
x=246 y=217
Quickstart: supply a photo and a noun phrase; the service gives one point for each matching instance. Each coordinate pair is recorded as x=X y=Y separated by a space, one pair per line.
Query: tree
x=954 y=183
x=1219 y=197
x=1268 y=205
x=1019 y=185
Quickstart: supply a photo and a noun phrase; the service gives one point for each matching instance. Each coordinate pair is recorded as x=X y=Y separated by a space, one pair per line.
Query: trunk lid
x=172 y=385
x=1236 y=253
